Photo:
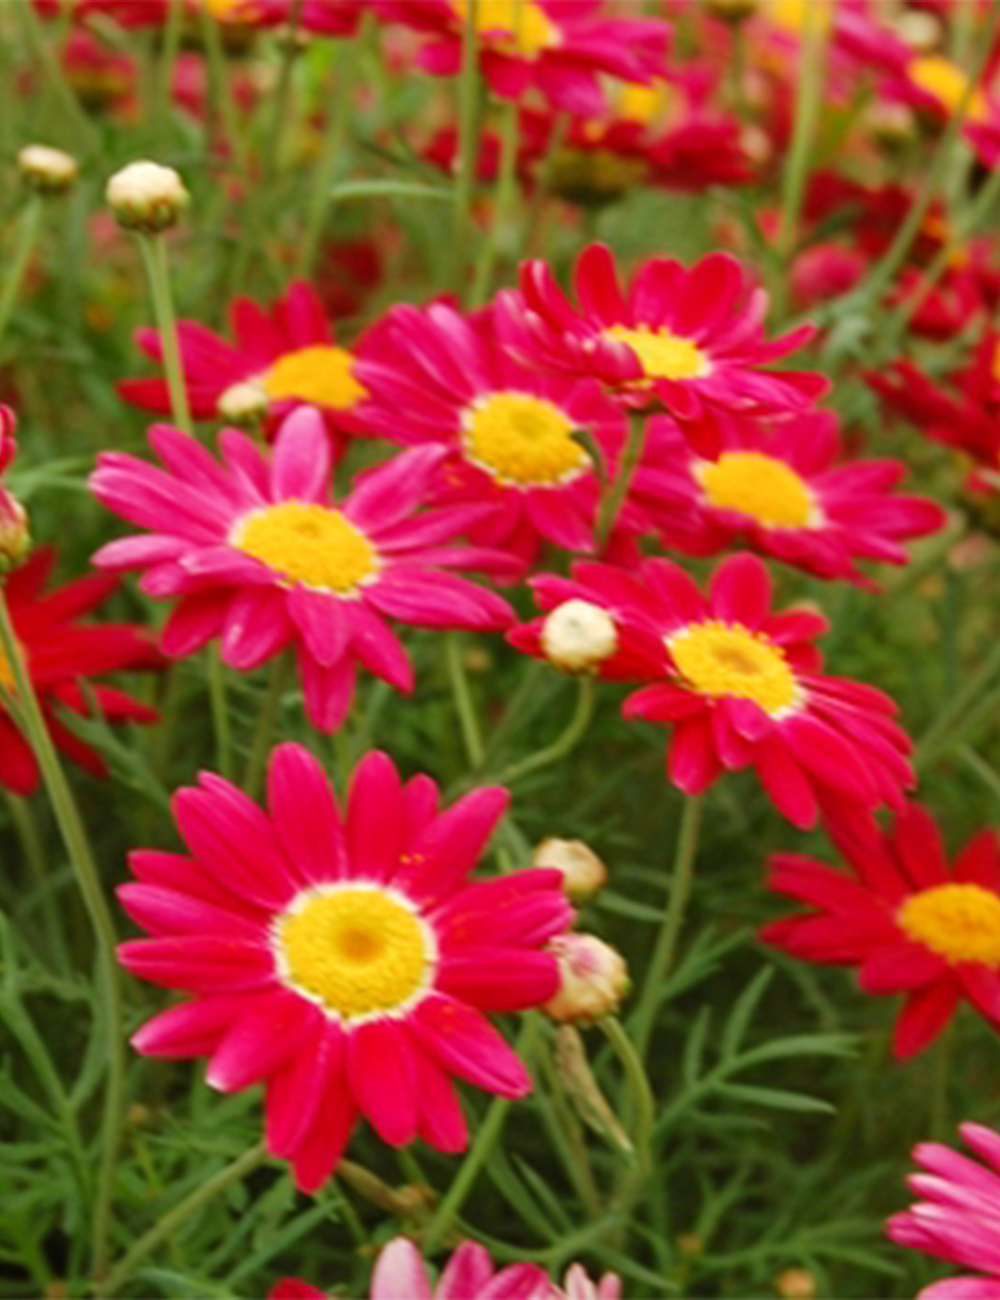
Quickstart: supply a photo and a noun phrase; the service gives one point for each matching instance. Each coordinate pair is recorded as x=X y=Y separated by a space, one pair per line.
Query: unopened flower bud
x=583 y=872
x=243 y=404
x=578 y=636
x=49 y=171
x=891 y=125
x=732 y=11
x=146 y=197
x=594 y=978
x=15 y=537
x=795 y=1284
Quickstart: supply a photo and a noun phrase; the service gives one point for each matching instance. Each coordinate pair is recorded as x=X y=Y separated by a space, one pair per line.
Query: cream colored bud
x=578 y=636
x=15 y=533
x=49 y=171
x=920 y=30
x=243 y=404
x=795 y=1284
x=583 y=872
x=891 y=125
x=146 y=197
x=593 y=975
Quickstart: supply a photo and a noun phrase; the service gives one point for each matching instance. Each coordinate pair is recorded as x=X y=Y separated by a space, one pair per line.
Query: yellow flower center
x=309 y=544
x=726 y=659
x=958 y=922
x=521 y=439
x=520 y=26
x=661 y=354
x=322 y=375
x=759 y=486
x=639 y=103
x=948 y=84
x=794 y=14
x=358 y=951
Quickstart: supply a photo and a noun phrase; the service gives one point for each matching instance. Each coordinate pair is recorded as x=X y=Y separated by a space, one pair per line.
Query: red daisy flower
x=779 y=487
x=909 y=921
x=260 y=556
x=689 y=339
x=342 y=958
x=62 y=654
x=741 y=686
x=938 y=87
x=438 y=377
x=281 y=358
x=559 y=48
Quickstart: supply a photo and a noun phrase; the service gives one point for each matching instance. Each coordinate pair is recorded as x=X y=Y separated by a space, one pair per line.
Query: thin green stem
x=154 y=256
x=330 y=160
x=34 y=852
x=282 y=96
x=173 y=1219
x=574 y=732
x=942 y=1064
x=70 y=108
x=576 y=1158
x=20 y=258
x=163 y=100
x=503 y=203
x=266 y=719
x=617 y=488
x=468 y=140
x=85 y=868
x=808 y=107
x=465 y=707
x=216 y=671
x=665 y=951
x=936 y=735
x=641 y=1105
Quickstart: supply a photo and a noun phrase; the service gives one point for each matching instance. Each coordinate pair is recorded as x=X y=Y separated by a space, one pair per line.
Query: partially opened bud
x=583 y=872
x=15 y=538
x=243 y=404
x=49 y=171
x=795 y=1284
x=594 y=978
x=146 y=197
x=578 y=636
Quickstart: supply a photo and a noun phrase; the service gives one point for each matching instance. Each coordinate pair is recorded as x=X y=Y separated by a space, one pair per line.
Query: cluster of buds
x=146 y=197
x=15 y=540
x=47 y=170
x=578 y=636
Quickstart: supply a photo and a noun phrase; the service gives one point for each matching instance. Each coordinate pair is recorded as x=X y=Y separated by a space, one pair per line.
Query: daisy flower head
x=741 y=686
x=686 y=339
x=441 y=378
x=958 y=1216
x=558 y=48
x=257 y=553
x=780 y=486
x=62 y=654
x=911 y=922
x=280 y=358
x=342 y=956
x=939 y=89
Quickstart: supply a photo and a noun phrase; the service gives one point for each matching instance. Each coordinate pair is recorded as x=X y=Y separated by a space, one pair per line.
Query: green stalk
x=154 y=256
x=216 y=671
x=333 y=150
x=503 y=203
x=165 y=70
x=936 y=735
x=266 y=719
x=468 y=141
x=641 y=1105
x=173 y=1219
x=464 y=704
x=20 y=258
x=70 y=108
x=574 y=732
x=85 y=868
x=666 y=945
x=808 y=108
x=282 y=97
x=34 y=852
x=617 y=489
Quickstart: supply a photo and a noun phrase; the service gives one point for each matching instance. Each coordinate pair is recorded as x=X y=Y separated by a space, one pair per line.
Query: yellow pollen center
x=661 y=354
x=948 y=84
x=358 y=951
x=726 y=659
x=959 y=922
x=793 y=14
x=309 y=544
x=761 y=487
x=522 y=439
x=519 y=26
x=322 y=375
x=639 y=103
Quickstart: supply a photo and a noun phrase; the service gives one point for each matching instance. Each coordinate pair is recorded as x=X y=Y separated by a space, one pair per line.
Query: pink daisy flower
x=691 y=339
x=780 y=486
x=741 y=686
x=342 y=957
x=438 y=377
x=559 y=48
x=911 y=923
x=281 y=358
x=400 y=1273
x=937 y=87
x=258 y=554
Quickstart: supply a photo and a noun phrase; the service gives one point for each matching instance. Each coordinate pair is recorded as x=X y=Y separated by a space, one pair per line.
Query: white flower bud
x=578 y=636
x=583 y=872
x=594 y=978
x=49 y=171
x=146 y=197
x=243 y=403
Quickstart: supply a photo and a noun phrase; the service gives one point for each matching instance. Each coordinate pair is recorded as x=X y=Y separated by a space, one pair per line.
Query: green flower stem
x=641 y=1106
x=221 y=105
x=78 y=848
x=937 y=734
x=573 y=1141
x=349 y=57
x=666 y=945
x=503 y=203
x=808 y=108
x=163 y=98
x=468 y=141
x=574 y=732
x=216 y=671
x=617 y=489
x=266 y=719
x=34 y=852
x=472 y=735
x=70 y=109
x=487 y=1136
x=271 y=160
x=173 y=1219
x=154 y=256
x=20 y=258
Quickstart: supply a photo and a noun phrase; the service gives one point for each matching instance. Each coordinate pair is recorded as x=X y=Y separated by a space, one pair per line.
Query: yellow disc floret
x=727 y=659
x=959 y=922
x=522 y=440
x=309 y=544
x=358 y=950
x=761 y=487
x=661 y=354
x=323 y=375
x=947 y=83
x=794 y=15
x=518 y=26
